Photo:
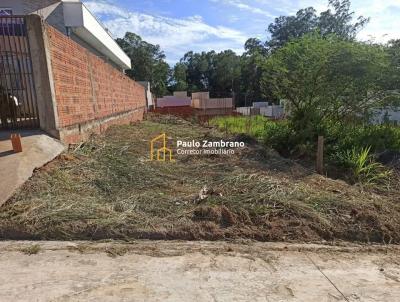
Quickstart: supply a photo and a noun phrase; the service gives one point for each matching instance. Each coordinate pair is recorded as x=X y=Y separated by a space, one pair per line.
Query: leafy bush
x=378 y=137
x=349 y=148
x=279 y=136
x=363 y=167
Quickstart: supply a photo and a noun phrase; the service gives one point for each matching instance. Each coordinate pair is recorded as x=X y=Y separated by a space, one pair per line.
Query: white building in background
x=149 y=95
x=264 y=109
x=260 y=104
x=273 y=111
x=248 y=111
x=391 y=115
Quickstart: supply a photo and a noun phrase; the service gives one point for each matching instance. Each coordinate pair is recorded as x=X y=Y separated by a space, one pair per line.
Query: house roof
x=85 y=25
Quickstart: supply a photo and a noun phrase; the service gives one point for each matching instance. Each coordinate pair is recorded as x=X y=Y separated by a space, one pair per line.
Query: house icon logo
x=160 y=154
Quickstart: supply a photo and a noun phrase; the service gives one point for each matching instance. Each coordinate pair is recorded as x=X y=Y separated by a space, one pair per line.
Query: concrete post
x=42 y=74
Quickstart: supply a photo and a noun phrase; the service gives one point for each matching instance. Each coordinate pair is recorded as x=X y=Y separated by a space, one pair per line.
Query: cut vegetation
x=108 y=188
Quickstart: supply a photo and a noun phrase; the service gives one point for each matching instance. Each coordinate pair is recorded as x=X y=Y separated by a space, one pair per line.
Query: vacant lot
x=108 y=188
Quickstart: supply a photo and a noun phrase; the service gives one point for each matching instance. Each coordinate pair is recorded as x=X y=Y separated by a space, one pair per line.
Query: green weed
x=364 y=168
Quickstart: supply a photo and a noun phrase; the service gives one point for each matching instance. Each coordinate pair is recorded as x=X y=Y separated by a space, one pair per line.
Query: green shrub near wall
x=341 y=140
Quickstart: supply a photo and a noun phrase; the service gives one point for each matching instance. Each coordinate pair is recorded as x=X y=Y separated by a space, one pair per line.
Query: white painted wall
x=260 y=104
x=393 y=114
x=247 y=111
x=274 y=111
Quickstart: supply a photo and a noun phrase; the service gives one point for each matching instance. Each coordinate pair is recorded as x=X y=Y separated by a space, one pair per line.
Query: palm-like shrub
x=364 y=168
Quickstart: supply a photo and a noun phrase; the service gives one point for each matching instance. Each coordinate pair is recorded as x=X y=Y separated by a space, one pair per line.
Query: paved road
x=197 y=271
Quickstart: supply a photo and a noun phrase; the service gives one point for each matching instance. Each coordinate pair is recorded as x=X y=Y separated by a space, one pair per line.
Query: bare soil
x=108 y=188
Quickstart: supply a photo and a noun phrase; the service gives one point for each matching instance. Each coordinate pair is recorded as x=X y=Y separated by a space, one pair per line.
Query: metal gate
x=18 y=103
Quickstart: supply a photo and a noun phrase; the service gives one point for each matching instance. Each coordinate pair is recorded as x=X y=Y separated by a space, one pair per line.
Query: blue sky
x=202 y=25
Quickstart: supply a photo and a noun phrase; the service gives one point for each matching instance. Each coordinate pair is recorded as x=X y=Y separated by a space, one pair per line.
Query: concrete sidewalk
x=197 y=271
x=16 y=168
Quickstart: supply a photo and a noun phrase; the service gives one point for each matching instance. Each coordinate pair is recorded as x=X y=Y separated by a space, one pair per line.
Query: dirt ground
x=108 y=188
x=197 y=271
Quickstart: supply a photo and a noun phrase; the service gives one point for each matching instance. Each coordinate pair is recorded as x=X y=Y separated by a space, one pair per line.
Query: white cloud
x=385 y=19
x=384 y=14
x=175 y=36
x=245 y=7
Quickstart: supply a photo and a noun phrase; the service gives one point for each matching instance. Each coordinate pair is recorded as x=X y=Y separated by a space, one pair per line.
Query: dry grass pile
x=108 y=188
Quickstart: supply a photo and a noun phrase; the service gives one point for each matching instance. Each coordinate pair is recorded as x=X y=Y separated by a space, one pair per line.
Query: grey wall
x=42 y=74
x=43 y=8
x=49 y=10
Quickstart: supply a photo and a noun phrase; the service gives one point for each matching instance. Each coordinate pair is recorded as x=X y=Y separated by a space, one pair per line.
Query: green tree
x=225 y=73
x=286 y=28
x=198 y=69
x=251 y=72
x=148 y=62
x=327 y=79
x=338 y=20
x=218 y=73
x=254 y=46
x=179 y=78
x=393 y=49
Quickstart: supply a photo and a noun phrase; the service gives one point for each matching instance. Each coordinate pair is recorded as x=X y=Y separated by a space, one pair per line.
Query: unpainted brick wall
x=88 y=89
x=182 y=111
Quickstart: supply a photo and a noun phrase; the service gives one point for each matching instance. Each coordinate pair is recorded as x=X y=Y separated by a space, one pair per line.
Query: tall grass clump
x=377 y=137
x=363 y=168
x=251 y=125
x=350 y=148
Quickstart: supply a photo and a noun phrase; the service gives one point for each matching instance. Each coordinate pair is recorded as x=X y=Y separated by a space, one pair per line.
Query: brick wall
x=188 y=112
x=90 y=94
x=182 y=111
